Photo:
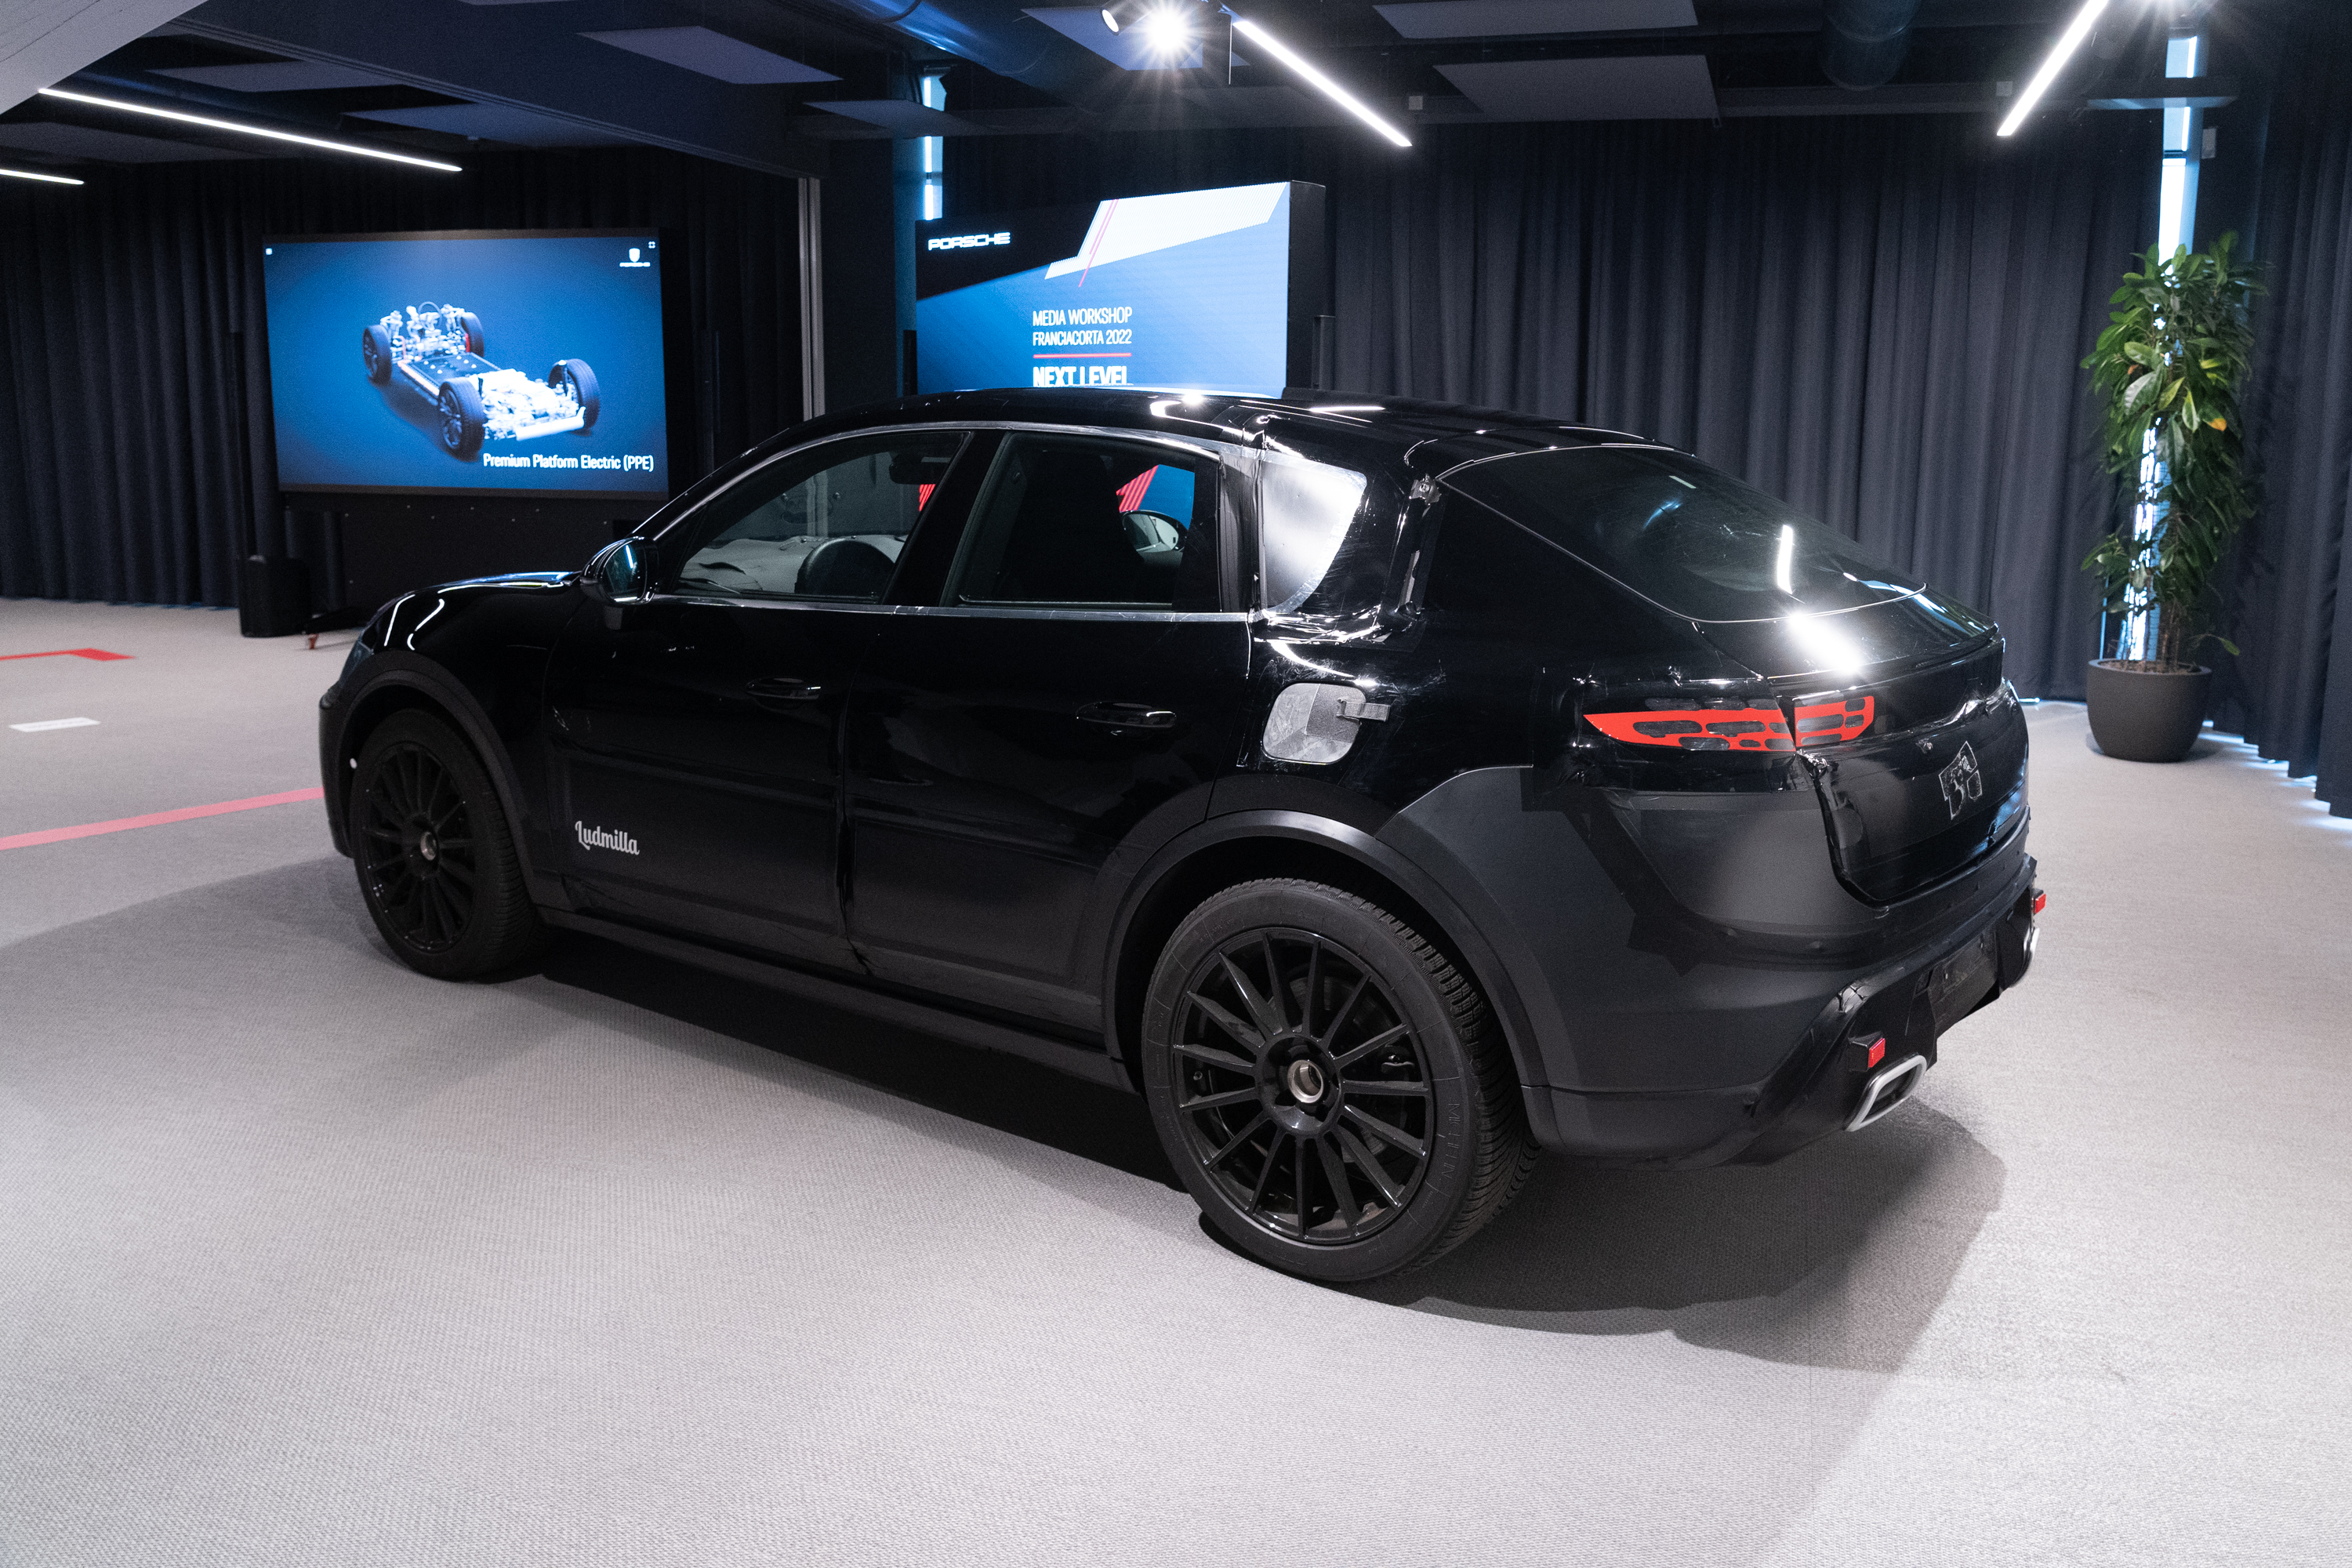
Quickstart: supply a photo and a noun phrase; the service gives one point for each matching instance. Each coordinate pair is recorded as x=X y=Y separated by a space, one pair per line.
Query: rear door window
x=1683 y=535
x=1086 y=521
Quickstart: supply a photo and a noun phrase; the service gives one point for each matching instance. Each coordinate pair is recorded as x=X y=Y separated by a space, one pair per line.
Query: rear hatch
x=1915 y=743
x=1920 y=764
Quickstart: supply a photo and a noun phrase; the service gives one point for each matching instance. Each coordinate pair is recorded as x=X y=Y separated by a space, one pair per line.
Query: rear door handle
x=1128 y=716
x=783 y=691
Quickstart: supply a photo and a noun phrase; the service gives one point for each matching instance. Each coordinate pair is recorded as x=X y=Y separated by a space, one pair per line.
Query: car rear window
x=1681 y=534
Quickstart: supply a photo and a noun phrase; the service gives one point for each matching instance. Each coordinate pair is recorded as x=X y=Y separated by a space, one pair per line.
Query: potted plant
x=2169 y=371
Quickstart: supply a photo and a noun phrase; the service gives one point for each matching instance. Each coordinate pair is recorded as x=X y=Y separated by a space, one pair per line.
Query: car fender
x=1476 y=943
x=445 y=693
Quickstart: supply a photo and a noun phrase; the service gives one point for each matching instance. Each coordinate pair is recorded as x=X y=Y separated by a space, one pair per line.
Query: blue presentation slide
x=1188 y=290
x=514 y=364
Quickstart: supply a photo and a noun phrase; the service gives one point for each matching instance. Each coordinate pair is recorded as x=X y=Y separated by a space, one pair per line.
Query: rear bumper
x=1905 y=1006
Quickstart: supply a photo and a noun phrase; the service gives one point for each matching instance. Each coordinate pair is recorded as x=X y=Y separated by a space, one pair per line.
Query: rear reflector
x=1739 y=729
x=1876 y=1053
x=2040 y=899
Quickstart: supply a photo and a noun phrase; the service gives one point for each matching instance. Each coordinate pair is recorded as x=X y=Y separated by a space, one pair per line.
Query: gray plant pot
x=2142 y=716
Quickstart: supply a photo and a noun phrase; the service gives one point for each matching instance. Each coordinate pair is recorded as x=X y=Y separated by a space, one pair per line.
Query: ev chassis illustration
x=438 y=351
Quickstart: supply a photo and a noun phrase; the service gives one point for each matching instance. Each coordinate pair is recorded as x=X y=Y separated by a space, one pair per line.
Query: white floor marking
x=54 y=724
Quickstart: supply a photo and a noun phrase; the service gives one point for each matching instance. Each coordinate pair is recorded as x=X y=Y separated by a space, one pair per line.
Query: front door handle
x=1128 y=716
x=783 y=691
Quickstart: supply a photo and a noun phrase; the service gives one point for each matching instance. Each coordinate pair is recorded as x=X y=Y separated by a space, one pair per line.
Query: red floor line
x=157 y=818
x=65 y=653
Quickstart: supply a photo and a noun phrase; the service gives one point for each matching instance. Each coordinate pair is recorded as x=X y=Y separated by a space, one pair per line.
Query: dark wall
x=2291 y=610
x=1880 y=319
x=861 y=300
x=134 y=422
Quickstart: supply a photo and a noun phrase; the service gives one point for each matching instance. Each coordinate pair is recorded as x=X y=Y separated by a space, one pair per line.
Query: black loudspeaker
x=273 y=598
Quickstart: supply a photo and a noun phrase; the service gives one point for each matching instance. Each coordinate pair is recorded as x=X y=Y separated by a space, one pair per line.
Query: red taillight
x=1819 y=723
x=2040 y=899
x=1739 y=729
x=1874 y=1051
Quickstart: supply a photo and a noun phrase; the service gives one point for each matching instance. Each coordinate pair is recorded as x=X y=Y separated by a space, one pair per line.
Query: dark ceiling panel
x=277 y=76
x=1504 y=18
x=496 y=123
x=898 y=116
x=531 y=58
x=1644 y=87
x=84 y=142
x=714 y=55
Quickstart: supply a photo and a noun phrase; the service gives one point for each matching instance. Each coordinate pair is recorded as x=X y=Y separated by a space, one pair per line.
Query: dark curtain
x=135 y=453
x=1881 y=319
x=2291 y=691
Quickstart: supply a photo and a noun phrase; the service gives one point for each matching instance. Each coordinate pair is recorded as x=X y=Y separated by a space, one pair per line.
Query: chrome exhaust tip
x=1886 y=1090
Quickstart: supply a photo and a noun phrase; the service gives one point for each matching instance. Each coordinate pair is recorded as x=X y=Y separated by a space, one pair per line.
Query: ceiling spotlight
x=1124 y=14
x=209 y=123
x=1168 y=29
x=29 y=175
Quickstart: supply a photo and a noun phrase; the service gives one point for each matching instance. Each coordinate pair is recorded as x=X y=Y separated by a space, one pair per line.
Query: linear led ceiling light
x=2068 y=42
x=28 y=174
x=1329 y=88
x=211 y=124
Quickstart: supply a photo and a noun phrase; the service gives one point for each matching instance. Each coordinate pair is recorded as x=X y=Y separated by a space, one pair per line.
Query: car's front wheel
x=462 y=421
x=436 y=862
x=1328 y=1084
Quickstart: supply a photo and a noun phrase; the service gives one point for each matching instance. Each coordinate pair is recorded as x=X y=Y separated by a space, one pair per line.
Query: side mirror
x=620 y=574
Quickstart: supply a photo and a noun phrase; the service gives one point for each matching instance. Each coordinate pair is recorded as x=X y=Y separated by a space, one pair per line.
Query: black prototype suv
x=1385 y=790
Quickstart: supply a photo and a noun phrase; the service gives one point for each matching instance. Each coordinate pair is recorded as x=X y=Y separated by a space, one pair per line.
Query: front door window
x=823 y=525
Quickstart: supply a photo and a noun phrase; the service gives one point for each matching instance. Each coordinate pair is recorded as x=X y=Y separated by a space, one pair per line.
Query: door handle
x=1128 y=716
x=781 y=690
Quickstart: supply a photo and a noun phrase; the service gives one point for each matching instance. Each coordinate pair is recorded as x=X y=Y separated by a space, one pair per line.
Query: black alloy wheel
x=1305 y=1094
x=375 y=354
x=1323 y=1080
x=460 y=407
x=573 y=375
x=436 y=864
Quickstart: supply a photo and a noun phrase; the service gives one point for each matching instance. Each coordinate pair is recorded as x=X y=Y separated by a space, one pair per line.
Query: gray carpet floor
x=305 y=1259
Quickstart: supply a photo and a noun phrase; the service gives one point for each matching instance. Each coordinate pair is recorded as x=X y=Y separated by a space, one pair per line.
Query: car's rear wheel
x=476 y=342
x=1328 y=1084
x=436 y=861
x=574 y=376
x=375 y=354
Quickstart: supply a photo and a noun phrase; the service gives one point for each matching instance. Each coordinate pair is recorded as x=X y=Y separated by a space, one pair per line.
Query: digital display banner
x=467 y=363
x=1212 y=290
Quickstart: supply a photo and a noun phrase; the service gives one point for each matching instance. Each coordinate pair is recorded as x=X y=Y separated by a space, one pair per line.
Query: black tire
x=436 y=860
x=461 y=418
x=475 y=343
x=1413 y=1136
x=375 y=354
x=582 y=382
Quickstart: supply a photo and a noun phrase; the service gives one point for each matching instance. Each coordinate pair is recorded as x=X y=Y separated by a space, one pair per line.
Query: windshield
x=1681 y=534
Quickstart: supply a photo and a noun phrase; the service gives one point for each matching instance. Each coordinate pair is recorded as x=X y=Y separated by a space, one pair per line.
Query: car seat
x=844 y=569
x=1068 y=541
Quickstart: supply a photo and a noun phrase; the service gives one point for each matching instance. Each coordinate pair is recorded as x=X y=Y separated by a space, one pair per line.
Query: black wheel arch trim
x=449 y=697
x=1455 y=927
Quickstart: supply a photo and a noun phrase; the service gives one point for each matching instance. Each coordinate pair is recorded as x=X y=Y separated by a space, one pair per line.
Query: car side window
x=1091 y=522
x=828 y=523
